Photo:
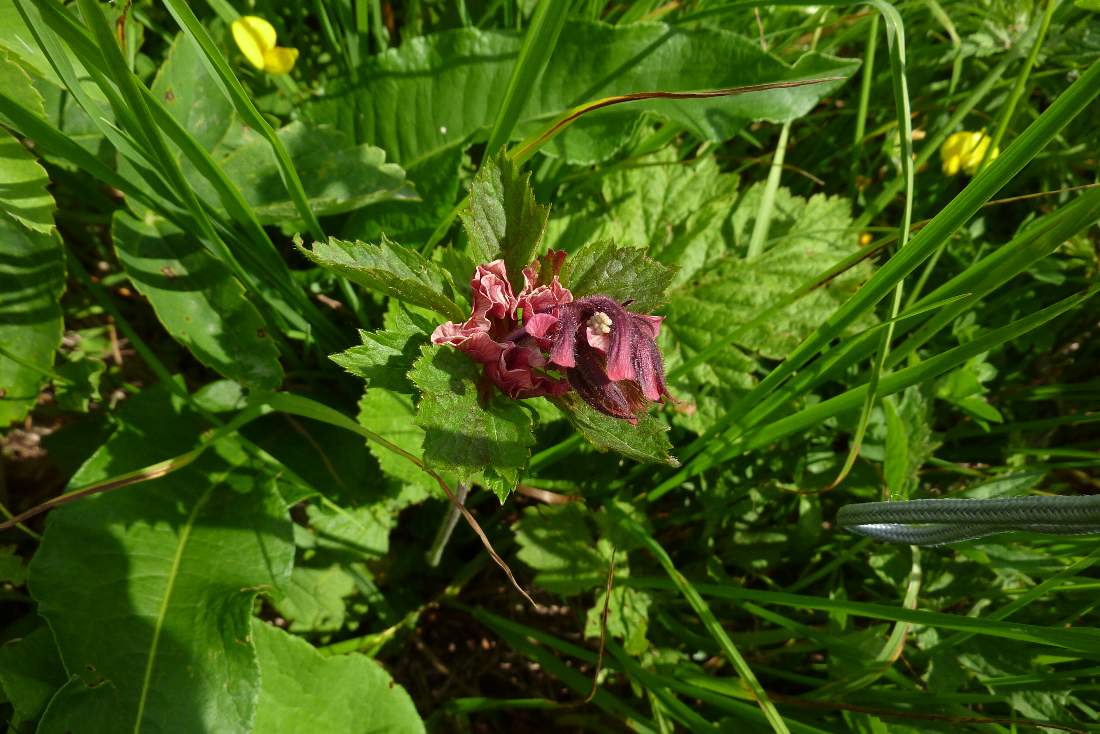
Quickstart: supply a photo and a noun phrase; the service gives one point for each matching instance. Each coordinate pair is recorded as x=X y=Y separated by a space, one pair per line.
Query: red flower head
x=609 y=355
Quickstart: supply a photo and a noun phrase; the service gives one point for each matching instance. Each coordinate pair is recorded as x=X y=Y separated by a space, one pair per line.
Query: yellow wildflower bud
x=964 y=152
x=255 y=38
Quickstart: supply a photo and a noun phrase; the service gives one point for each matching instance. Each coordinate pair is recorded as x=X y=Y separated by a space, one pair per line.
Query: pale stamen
x=600 y=323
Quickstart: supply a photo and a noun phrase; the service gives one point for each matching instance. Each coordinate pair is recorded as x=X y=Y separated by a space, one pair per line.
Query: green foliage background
x=245 y=497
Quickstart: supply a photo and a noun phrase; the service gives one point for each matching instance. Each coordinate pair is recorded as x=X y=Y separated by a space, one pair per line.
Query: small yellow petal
x=280 y=60
x=951 y=165
x=254 y=37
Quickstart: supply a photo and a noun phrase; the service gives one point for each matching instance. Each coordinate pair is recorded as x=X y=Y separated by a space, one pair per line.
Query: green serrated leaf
x=392 y=269
x=386 y=355
x=625 y=274
x=306 y=691
x=142 y=604
x=559 y=545
x=197 y=299
x=32 y=279
x=502 y=219
x=465 y=431
x=647 y=441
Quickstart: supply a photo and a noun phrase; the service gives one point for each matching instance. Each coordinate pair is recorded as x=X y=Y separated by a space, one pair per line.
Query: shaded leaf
x=30 y=673
x=627 y=617
x=502 y=219
x=558 y=544
x=32 y=279
x=393 y=416
x=467 y=432
x=197 y=299
x=304 y=691
x=647 y=441
x=314 y=599
x=79 y=383
x=391 y=269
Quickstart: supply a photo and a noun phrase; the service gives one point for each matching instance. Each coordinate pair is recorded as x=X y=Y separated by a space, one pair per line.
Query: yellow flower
x=255 y=38
x=964 y=152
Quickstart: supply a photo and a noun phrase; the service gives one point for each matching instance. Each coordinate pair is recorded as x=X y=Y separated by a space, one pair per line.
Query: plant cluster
x=488 y=365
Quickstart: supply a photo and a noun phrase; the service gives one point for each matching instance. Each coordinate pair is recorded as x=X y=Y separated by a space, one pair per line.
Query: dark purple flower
x=609 y=355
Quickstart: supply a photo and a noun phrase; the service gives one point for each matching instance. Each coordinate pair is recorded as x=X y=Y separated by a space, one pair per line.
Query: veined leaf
x=32 y=278
x=149 y=590
x=197 y=299
x=467 y=432
x=305 y=691
x=647 y=441
x=391 y=269
x=624 y=273
x=502 y=219
x=415 y=101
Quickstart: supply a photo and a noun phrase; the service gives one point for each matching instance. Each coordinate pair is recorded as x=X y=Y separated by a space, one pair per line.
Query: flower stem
x=435 y=553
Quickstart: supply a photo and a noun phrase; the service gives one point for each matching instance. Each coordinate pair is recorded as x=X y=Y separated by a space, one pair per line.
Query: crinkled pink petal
x=471 y=340
x=514 y=373
x=492 y=293
x=539 y=326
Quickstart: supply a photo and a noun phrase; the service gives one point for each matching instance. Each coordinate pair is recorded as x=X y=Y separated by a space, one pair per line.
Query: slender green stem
x=767 y=201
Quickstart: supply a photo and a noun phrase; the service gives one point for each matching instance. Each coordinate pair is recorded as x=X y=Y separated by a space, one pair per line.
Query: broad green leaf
x=502 y=219
x=469 y=431
x=386 y=355
x=625 y=274
x=415 y=101
x=32 y=278
x=391 y=269
x=197 y=299
x=195 y=100
x=30 y=674
x=149 y=589
x=304 y=691
x=559 y=545
x=647 y=441
x=314 y=599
